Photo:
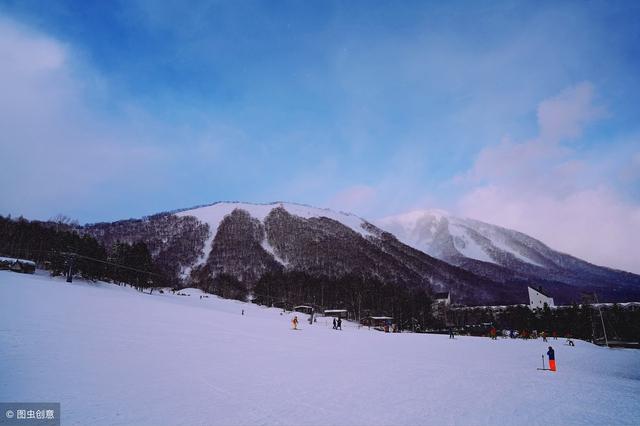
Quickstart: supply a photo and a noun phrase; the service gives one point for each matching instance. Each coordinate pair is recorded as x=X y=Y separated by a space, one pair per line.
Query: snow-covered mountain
x=448 y=237
x=247 y=241
x=478 y=262
x=502 y=254
x=213 y=215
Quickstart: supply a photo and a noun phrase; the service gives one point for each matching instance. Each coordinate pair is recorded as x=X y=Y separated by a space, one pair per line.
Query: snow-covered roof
x=381 y=318
x=14 y=260
x=302 y=306
x=333 y=311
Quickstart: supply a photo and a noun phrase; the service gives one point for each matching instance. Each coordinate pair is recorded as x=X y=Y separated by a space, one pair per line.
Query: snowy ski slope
x=113 y=356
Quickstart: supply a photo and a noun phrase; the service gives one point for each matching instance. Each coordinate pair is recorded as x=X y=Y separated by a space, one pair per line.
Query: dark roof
x=541 y=291
x=441 y=295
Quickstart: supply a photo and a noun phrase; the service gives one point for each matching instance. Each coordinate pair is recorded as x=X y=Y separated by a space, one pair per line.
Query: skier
x=243 y=312
x=451 y=336
x=544 y=336
x=552 y=359
x=335 y=324
x=294 y=322
x=492 y=332
x=339 y=323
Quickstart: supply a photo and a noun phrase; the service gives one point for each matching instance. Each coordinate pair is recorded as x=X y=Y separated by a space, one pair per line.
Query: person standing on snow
x=451 y=336
x=335 y=324
x=339 y=323
x=552 y=359
x=294 y=322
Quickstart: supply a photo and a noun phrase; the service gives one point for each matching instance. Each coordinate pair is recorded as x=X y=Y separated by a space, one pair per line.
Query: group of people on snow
x=526 y=334
x=337 y=323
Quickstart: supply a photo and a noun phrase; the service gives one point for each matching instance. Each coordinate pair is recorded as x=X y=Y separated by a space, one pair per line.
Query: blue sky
x=121 y=109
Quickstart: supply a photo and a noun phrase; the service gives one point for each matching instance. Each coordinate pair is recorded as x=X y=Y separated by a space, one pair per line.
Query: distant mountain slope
x=249 y=240
x=504 y=255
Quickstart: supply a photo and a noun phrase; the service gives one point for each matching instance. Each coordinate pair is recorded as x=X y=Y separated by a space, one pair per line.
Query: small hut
x=18 y=265
x=382 y=323
x=305 y=309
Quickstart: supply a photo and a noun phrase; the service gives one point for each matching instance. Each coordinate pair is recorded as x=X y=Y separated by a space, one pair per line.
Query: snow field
x=114 y=356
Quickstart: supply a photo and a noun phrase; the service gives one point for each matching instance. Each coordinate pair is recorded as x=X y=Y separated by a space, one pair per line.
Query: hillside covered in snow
x=248 y=241
x=505 y=255
x=114 y=356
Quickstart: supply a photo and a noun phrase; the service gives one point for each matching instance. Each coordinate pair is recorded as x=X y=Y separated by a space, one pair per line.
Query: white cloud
x=565 y=116
x=57 y=153
x=544 y=188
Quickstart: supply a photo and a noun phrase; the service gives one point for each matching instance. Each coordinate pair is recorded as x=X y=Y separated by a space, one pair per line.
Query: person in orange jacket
x=294 y=322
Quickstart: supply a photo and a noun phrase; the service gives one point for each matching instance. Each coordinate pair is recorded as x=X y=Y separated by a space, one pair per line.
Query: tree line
x=51 y=244
x=360 y=295
x=579 y=321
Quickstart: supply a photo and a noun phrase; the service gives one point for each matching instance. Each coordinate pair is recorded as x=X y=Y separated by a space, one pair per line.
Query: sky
x=521 y=114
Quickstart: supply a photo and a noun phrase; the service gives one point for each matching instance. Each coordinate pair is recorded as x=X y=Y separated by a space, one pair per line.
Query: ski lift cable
x=109 y=263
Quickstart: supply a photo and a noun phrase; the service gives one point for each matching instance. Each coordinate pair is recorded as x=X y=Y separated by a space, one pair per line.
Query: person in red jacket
x=552 y=359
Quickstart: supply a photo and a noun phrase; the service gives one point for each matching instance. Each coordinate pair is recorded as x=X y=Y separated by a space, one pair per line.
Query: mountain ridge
x=478 y=262
x=495 y=252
